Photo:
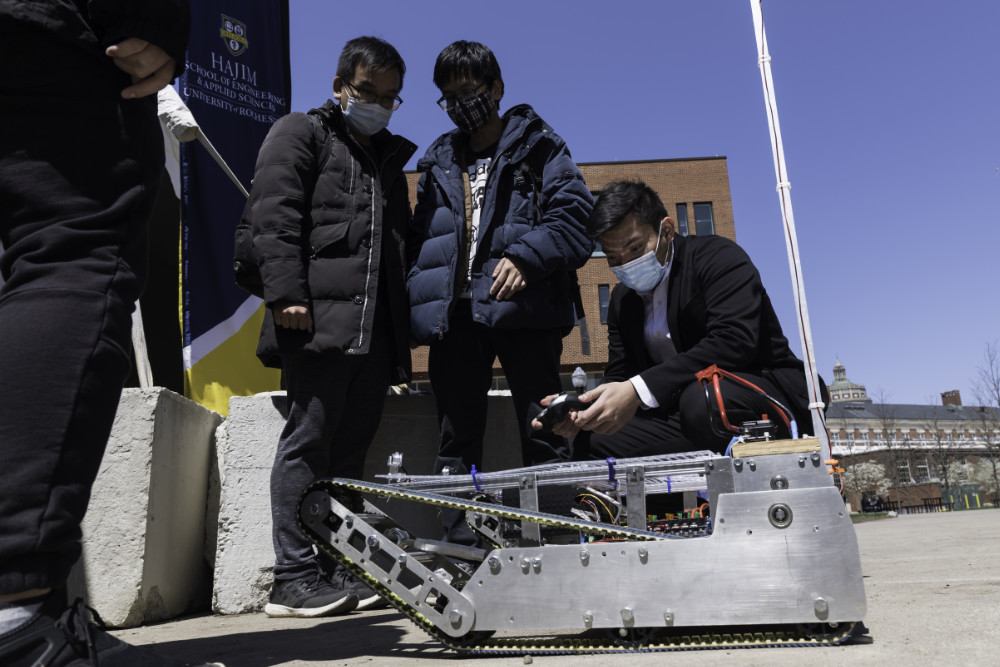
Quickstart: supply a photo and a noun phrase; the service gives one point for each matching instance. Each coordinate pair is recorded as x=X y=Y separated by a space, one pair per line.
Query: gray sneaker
x=342 y=579
x=309 y=597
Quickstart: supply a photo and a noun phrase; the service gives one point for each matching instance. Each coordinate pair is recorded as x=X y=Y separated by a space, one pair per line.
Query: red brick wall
x=675 y=181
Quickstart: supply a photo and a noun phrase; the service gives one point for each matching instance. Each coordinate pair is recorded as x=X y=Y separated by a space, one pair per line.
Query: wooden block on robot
x=765 y=447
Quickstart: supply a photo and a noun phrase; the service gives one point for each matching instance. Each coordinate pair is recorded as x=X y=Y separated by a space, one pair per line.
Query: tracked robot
x=576 y=558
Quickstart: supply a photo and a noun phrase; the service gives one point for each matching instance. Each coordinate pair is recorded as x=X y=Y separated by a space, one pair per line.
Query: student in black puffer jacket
x=328 y=213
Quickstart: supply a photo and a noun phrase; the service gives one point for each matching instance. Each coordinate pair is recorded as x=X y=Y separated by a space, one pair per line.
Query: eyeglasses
x=371 y=97
x=447 y=102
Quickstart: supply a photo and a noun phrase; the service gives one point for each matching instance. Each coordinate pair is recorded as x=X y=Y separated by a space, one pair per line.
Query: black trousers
x=335 y=403
x=79 y=168
x=690 y=427
x=460 y=366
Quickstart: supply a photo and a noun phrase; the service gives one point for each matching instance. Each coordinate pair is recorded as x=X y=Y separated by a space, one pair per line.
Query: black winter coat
x=323 y=231
x=717 y=313
x=97 y=24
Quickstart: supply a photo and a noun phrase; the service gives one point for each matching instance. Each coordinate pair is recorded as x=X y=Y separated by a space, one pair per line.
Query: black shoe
x=60 y=635
x=309 y=597
x=343 y=580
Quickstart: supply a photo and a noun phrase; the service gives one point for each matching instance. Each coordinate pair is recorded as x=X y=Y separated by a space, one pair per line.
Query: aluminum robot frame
x=776 y=563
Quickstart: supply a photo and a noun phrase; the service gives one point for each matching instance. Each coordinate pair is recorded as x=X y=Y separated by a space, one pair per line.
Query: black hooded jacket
x=329 y=235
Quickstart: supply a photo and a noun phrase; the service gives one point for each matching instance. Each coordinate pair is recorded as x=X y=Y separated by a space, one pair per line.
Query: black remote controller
x=560 y=406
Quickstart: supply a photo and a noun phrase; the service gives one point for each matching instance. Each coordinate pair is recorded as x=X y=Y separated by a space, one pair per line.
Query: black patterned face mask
x=470 y=114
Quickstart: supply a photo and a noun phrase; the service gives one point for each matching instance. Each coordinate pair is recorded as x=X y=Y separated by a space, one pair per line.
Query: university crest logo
x=234 y=34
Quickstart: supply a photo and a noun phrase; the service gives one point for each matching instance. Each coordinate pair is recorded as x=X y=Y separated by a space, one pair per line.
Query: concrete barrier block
x=144 y=531
x=246 y=445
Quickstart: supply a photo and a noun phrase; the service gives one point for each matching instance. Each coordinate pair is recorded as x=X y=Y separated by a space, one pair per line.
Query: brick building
x=696 y=194
x=919 y=445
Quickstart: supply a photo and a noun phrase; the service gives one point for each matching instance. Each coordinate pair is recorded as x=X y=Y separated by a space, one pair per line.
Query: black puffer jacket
x=323 y=231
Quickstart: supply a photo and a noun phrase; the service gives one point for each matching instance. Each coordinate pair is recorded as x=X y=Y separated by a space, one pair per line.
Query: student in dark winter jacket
x=81 y=154
x=329 y=213
x=683 y=304
x=497 y=231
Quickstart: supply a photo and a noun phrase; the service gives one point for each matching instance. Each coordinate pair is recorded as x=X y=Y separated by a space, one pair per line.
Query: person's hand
x=293 y=317
x=149 y=66
x=565 y=428
x=508 y=280
x=612 y=405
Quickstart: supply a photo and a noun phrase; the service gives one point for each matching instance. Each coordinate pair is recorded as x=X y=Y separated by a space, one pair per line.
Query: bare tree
x=944 y=449
x=851 y=446
x=987 y=388
x=895 y=446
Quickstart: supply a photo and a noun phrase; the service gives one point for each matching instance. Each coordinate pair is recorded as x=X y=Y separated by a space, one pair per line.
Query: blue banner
x=236 y=85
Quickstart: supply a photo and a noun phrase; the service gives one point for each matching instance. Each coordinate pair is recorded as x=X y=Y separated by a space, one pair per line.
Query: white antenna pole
x=791 y=241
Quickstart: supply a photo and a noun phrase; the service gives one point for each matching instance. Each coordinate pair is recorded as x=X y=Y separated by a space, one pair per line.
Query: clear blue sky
x=890 y=115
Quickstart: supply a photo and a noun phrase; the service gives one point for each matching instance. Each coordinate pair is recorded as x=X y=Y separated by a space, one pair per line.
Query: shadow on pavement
x=338 y=639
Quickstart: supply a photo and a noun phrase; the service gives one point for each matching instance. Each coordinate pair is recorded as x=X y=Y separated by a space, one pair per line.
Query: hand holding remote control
x=557 y=410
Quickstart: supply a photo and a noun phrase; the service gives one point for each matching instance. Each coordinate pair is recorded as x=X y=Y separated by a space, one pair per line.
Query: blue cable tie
x=475 y=481
x=668 y=484
x=795 y=430
x=611 y=461
x=732 y=442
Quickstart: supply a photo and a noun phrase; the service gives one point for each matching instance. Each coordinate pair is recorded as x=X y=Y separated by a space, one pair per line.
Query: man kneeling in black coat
x=683 y=304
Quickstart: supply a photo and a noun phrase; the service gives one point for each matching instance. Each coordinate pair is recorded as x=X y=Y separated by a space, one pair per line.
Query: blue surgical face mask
x=643 y=273
x=365 y=118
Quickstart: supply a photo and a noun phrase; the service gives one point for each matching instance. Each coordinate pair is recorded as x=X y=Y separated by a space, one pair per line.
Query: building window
x=682 y=219
x=604 y=293
x=598 y=250
x=923 y=470
x=903 y=471
x=704 y=220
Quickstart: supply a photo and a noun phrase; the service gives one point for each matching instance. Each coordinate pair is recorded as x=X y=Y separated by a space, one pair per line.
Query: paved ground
x=932 y=581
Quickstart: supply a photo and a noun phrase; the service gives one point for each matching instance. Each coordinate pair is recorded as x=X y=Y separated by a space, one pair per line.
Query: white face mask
x=366 y=118
x=643 y=273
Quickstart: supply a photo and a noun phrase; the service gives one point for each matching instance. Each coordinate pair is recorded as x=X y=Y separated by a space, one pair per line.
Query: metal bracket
x=531 y=533
x=635 y=491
